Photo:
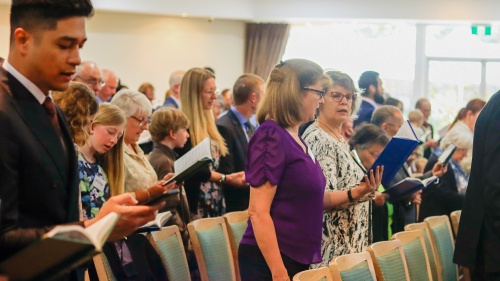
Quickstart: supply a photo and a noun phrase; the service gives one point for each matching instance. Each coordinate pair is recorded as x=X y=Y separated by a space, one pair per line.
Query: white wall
x=147 y=48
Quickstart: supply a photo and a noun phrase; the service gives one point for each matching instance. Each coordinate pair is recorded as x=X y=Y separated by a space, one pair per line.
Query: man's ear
x=22 y=40
x=384 y=127
x=372 y=89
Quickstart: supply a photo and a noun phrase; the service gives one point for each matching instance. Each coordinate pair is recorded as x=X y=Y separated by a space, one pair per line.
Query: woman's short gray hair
x=132 y=102
x=458 y=137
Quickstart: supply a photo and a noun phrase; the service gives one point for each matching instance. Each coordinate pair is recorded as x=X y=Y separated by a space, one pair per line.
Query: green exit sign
x=481 y=30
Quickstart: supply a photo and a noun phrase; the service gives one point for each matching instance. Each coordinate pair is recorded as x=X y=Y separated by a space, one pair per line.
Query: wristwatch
x=222 y=178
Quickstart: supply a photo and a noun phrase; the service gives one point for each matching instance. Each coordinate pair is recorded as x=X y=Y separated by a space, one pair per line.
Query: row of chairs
x=424 y=251
x=215 y=243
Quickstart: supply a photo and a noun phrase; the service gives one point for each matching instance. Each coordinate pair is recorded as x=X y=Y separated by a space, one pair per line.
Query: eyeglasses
x=143 y=121
x=92 y=81
x=320 y=93
x=214 y=92
x=339 y=96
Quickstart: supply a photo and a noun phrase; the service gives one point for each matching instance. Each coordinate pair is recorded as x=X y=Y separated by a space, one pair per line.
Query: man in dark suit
x=371 y=97
x=38 y=167
x=478 y=239
x=236 y=130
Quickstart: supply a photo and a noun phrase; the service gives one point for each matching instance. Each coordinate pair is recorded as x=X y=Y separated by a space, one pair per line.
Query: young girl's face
x=180 y=137
x=105 y=137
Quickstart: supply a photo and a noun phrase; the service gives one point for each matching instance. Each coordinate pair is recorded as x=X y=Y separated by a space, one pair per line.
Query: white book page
x=69 y=232
x=100 y=230
x=406 y=132
x=159 y=219
x=202 y=150
x=429 y=180
x=446 y=153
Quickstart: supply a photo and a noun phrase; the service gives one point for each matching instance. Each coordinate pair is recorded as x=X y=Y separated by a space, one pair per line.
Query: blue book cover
x=396 y=152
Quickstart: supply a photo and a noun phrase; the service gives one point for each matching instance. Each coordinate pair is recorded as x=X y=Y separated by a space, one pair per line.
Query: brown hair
x=245 y=85
x=165 y=120
x=282 y=101
x=77 y=102
x=474 y=106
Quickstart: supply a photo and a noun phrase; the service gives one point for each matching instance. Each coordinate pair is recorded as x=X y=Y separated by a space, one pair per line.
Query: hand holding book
x=372 y=180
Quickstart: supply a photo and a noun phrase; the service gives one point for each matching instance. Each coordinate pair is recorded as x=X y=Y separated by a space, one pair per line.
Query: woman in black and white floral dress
x=346 y=220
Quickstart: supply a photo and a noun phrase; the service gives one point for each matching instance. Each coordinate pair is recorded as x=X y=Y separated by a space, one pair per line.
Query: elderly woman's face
x=459 y=154
x=369 y=155
x=337 y=105
x=136 y=124
x=208 y=94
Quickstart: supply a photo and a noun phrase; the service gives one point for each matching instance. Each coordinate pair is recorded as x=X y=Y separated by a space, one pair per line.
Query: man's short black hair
x=366 y=79
x=44 y=14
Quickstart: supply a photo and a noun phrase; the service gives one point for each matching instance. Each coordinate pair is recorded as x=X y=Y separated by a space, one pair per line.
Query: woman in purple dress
x=286 y=199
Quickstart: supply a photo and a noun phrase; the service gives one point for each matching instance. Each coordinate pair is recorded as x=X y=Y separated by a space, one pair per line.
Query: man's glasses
x=339 y=96
x=320 y=93
x=142 y=121
x=92 y=81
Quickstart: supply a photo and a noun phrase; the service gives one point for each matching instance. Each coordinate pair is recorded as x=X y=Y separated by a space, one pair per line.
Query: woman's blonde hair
x=283 y=99
x=112 y=160
x=165 y=120
x=202 y=121
x=77 y=102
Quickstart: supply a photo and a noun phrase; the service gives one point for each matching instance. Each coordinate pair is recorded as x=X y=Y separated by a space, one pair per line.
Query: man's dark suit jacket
x=171 y=103
x=364 y=114
x=443 y=198
x=478 y=240
x=229 y=127
x=38 y=180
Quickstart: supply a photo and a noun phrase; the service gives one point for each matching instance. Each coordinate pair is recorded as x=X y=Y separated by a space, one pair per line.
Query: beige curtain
x=264 y=46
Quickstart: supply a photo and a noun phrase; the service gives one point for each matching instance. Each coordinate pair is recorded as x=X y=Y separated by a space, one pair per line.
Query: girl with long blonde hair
x=198 y=92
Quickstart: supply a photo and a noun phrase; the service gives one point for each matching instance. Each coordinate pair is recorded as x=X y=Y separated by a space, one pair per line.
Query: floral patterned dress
x=211 y=203
x=346 y=229
x=94 y=187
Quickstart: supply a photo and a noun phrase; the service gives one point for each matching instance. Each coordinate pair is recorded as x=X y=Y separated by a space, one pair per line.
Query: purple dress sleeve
x=265 y=158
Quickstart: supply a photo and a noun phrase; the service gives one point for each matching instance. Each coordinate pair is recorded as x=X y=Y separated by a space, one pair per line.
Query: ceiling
x=310 y=10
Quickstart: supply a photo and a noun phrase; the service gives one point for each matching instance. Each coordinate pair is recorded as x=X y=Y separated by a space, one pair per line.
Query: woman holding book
x=346 y=221
x=387 y=218
x=139 y=176
x=205 y=197
x=449 y=194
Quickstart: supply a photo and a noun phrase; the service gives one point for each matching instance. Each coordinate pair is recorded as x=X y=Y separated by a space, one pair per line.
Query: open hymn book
x=396 y=152
x=407 y=187
x=63 y=248
x=192 y=161
x=156 y=224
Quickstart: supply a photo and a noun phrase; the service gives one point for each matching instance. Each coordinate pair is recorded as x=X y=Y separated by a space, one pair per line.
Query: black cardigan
x=443 y=198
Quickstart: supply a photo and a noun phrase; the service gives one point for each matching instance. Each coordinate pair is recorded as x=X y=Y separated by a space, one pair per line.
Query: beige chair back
x=432 y=254
x=318 y=274
x=168 y=243
x=455 y=220
x=237 y=223
x=353 y=267
x=212 y=247
x=103 y=269
x=442 y=239
x=416 y=256
x=389 y=260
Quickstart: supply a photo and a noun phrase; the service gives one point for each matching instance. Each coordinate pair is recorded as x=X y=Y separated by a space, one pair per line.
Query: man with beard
x=372 y=96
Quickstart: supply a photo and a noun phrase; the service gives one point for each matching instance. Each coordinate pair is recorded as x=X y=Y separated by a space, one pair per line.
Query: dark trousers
x=253 y=266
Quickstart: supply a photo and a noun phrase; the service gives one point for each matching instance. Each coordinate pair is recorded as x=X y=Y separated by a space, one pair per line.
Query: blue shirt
x=241 y=119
